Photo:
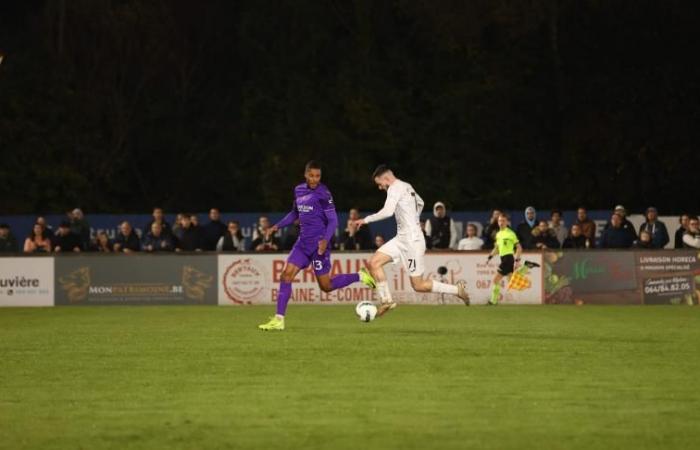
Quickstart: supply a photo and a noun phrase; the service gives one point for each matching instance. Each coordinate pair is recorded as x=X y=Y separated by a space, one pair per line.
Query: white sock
x=384 y=292
x=444 y=288
x=279 y=317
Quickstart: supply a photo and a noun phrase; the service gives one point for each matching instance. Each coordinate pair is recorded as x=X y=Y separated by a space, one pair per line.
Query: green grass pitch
x=441 y=377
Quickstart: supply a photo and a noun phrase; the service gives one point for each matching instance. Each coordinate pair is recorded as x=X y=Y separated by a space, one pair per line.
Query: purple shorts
x=304 y=254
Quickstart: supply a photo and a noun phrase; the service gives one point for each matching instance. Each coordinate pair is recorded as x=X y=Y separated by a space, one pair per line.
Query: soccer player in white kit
x=408 y=246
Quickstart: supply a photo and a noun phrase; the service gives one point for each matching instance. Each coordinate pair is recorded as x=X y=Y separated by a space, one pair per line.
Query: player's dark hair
x=313 y=164
x=380 y=170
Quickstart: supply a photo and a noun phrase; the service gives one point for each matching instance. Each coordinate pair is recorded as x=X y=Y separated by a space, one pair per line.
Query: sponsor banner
x=669 y=276
x=254 y=279
x=135 y=279
x=26 y=281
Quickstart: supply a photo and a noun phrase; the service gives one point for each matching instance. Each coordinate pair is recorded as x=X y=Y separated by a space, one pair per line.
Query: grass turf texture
x=421 y=377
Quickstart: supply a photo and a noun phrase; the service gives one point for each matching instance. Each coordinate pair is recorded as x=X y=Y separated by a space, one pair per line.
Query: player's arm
x=331 y=223
x=493 y=253
x=384 y=213
x=518 y=252
x=287 y=220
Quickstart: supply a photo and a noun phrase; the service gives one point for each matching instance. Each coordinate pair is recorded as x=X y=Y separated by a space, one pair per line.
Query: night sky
x=116 y=106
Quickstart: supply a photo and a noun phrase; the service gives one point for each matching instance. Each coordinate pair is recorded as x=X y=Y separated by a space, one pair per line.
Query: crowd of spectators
x=186 y=234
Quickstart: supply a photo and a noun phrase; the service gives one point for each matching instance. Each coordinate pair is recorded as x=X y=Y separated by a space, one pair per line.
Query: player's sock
x=283 y=297
x=344 y=279
x=384 y=292
x=496 y=293
x=444 y=288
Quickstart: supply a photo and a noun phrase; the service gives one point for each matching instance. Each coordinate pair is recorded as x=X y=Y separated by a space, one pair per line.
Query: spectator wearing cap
x=80 y=227
x=441 y=229
x=626 y=224
x=213 y=230
x=691 y=237
x=616 y=236
x=8 y=243
x=576 y=239
x=588 y=227
x=524 y=229
x=65 y=240
x=655 y=228
x=557 y=226
x=678 y=237
x=471 y=241
x=127 y=241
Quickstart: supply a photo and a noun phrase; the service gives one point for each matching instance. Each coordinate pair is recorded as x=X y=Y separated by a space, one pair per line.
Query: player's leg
x=389 y=252
x=504 y=269
x=414 y=257
x=296 y=261
x=322 y=268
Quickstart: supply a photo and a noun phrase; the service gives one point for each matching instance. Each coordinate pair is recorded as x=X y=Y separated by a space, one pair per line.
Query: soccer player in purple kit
x=313 y=207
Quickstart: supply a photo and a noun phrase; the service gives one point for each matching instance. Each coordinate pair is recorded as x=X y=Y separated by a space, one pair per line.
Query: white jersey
x=406 y=205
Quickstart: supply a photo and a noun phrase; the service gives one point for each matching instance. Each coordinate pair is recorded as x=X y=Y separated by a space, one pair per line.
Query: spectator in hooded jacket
x=691 y=237
x=576 y=239
x=441 y=229
x=524 y=229
x=489 y=233
x=656 y=228
x=8 y=243
x=616 y=236
x=678 y=238
x=213 y=230
x=544 y=237
x=588 y=227
x=232 y=240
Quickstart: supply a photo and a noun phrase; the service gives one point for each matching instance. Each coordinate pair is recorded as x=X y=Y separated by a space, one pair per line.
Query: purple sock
x=342 y=280
x=283 y=297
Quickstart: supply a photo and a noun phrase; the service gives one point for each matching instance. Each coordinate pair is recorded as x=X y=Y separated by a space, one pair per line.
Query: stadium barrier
x=557 y=277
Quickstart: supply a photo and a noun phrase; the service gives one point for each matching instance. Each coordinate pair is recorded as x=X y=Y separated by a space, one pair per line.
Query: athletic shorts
x=304 y=254
x=409 y=252
x=506 y=266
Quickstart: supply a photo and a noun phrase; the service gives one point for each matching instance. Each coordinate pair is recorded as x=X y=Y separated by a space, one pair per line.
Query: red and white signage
x=254 y=279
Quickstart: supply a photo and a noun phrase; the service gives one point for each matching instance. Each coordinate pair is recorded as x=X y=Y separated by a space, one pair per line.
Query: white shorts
x=410 y=252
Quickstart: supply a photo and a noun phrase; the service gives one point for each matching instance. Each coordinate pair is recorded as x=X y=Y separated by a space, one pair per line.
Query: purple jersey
x=313 y=207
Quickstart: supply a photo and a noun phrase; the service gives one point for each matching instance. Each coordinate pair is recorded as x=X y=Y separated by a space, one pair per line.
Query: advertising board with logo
x=26 y=281
x=669 y=277
x=254 y=279
x=136 y=280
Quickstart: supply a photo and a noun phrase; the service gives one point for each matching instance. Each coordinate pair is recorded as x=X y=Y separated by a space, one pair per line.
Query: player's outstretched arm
x=384 y=213
x=287 y=220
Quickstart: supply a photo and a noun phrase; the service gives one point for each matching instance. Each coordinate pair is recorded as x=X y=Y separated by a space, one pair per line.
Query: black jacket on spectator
x=575 y=242
x=191 y=239
x=229 y=246
x=645 y=245
x=362 y=238
x=162 y=243
x=627 y=226
x=549 y=239
x=659 y=234
x=524 y=233
x=8 y=244
x=132 y=242
x=211 y=233
x=167 y=231
x=440 y=231
x=617 y=238
x=678 y=238
x=67 y=243
x=489 y=235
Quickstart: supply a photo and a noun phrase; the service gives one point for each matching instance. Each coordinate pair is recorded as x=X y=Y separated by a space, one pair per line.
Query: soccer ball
x=366 y=311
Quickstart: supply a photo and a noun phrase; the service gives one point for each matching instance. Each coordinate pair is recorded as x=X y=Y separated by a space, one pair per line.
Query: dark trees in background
x=121 y=105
